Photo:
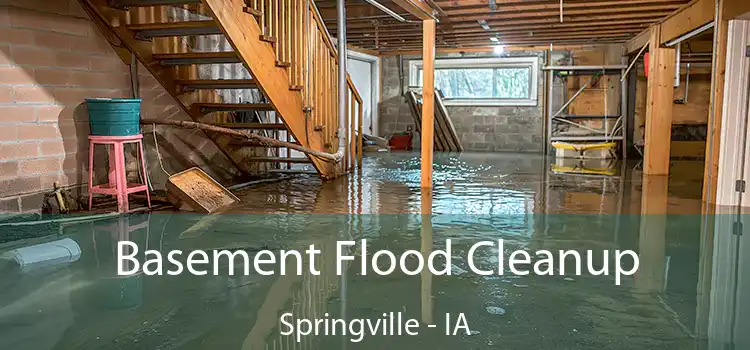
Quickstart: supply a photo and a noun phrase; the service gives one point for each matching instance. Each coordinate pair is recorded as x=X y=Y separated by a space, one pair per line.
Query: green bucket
x=114 y=116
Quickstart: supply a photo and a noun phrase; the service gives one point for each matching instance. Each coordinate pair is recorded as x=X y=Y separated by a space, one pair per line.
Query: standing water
x=690 y=291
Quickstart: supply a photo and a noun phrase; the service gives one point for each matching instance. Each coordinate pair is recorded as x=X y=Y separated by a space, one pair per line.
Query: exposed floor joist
x=514 y=22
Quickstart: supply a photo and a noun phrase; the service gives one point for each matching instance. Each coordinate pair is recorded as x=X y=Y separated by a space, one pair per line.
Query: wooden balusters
x=281 y=37
x=261 y=6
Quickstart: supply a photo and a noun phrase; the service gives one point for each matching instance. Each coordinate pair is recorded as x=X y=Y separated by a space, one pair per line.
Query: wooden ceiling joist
x=514 y=22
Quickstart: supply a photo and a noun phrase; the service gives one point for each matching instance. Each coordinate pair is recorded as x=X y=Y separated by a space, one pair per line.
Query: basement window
x=497 y=81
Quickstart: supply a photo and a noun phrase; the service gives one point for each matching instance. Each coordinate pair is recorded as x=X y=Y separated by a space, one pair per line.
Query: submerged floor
x=691 y=290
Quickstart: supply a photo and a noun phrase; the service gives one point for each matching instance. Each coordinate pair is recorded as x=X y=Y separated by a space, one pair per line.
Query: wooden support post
x=426 y=238
x=428 y=100
x=652 y=237
x=659 y=102
x=716 y=114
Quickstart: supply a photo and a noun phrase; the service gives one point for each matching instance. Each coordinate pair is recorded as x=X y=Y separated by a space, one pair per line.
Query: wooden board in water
x=198 y=191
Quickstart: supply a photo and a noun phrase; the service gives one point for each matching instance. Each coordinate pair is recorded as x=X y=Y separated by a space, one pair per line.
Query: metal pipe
x=677 y=65
x=343 y=88
x=388 y=11
x=690 y=34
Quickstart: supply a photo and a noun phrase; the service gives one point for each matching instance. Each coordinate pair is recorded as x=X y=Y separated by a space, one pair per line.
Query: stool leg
x=122 y=184
x=91 y=173
x=113 y=166
x=145 y=176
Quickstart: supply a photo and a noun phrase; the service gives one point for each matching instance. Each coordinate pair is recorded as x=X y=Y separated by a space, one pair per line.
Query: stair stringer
x=259 y=57
x=110 y=24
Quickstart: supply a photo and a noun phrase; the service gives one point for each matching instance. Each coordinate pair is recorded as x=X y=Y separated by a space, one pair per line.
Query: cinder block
x=484 y=128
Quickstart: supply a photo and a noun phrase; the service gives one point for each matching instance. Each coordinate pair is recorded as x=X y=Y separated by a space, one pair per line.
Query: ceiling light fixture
x=498 y=50
x=484 y=24
x=495 y=40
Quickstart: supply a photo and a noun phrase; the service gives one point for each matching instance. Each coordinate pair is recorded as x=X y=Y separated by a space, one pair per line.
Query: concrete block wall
x=52 y=57
x=480 y=128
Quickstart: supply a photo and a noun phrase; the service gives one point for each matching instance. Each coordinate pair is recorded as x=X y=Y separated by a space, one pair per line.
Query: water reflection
x=690 y=291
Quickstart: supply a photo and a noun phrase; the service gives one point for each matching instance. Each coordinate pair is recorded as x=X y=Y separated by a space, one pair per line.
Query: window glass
x=482 y=83
x=512 y=83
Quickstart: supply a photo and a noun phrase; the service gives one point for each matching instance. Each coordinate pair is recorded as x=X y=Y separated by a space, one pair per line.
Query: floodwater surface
x=691 y=290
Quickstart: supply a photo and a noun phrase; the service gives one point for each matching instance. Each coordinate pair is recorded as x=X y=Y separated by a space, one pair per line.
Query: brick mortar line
x=66 y=187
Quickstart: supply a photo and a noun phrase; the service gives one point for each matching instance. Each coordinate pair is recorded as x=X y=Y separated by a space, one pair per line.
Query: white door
x=361 y=74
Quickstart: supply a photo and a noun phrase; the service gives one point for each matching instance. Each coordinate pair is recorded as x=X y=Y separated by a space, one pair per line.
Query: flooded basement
x=691 y=290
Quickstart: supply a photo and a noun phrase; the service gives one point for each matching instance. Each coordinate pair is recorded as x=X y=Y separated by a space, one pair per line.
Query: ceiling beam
x=444 y=50
x=638 y=42
x=554 y=32
x=568 y=6
x=684 y=20
x=418 y=8
x=530 y=27
x=688 y=18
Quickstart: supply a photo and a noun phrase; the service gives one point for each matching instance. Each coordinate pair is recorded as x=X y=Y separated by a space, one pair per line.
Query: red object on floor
x=400 y=141
x=118 y=182
x=646 y=59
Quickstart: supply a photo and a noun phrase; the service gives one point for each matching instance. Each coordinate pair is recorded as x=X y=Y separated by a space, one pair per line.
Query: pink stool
x=118 y=182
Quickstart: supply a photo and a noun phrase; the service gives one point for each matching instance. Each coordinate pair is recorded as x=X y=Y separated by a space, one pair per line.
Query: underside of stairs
x=263 y=66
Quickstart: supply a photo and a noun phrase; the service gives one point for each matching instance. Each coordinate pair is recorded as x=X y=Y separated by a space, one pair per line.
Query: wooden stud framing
x=659 y=101
x=716 y=114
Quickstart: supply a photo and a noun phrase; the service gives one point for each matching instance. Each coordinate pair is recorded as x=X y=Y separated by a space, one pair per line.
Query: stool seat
x=117 y=185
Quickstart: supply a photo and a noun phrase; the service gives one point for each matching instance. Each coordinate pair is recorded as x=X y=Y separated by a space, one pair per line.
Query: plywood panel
x=696 y=110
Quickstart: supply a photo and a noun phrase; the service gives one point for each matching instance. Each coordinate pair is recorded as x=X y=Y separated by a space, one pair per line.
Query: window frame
x=492 y=62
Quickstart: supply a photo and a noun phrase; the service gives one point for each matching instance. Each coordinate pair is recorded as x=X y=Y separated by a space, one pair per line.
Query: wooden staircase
x=267 y=66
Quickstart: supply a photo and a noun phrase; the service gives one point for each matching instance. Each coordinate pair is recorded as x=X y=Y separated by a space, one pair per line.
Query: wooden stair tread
x=186 y=58
x=147 y=3
x=252 y=11
x=236 y=107
x=279 y=159
x=218 y=84
x=184 y=28
x=253 y=126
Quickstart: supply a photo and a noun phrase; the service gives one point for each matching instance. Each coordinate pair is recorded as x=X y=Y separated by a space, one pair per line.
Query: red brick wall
x=51 y=59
